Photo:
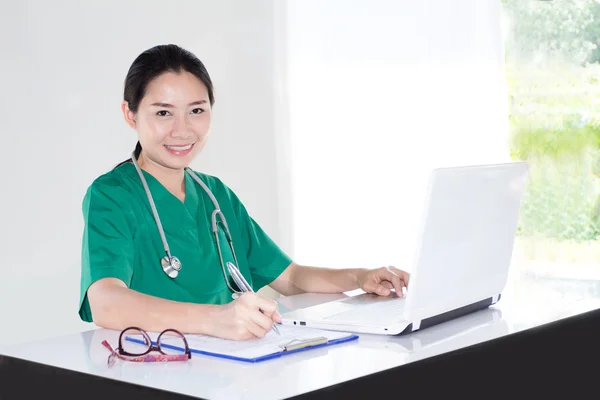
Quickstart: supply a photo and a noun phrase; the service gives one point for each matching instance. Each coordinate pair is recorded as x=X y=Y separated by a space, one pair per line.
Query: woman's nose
x=181 y=128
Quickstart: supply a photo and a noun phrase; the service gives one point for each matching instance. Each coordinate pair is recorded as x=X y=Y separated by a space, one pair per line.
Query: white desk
x=208 y=377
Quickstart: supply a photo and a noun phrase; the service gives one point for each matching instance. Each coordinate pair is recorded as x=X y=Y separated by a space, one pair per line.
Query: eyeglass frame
x=146 y=356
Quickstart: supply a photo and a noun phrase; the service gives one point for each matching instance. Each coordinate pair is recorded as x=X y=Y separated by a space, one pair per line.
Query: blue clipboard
x=296 y=348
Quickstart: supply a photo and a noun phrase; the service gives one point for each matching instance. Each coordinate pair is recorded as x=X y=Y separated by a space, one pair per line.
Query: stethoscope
x=171 y=264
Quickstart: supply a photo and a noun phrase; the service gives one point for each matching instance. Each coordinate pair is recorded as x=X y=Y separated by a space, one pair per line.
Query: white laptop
x=462 y=259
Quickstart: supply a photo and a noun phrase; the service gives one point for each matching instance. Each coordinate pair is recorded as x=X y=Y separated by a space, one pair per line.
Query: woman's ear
x=128 y=114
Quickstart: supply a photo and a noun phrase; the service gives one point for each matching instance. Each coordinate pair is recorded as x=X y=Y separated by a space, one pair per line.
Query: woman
x=150 y=209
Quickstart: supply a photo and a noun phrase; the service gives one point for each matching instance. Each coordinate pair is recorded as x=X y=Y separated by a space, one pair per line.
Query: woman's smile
x=180 y=150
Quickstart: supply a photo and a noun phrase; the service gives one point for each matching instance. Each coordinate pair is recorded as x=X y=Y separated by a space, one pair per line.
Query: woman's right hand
x=242 y=318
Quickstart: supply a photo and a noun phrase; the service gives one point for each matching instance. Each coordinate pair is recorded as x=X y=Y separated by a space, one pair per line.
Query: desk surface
x=293 y=375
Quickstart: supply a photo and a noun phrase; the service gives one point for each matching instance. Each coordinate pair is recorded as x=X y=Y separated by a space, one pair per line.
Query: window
x=552 y=54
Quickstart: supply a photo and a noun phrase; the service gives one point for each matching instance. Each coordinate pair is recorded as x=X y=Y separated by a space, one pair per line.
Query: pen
x=241 y=282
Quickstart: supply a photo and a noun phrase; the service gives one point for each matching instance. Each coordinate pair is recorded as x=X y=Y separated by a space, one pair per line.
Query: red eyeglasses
x=135 y=345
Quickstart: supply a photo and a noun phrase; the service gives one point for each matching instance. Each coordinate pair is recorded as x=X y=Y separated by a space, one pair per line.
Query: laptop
x=461 y=263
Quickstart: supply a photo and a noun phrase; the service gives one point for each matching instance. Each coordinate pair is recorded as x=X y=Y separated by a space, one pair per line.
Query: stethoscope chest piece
x=171 y=266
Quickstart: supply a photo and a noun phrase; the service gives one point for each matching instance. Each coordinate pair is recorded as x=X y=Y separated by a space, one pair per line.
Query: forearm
x=303 y=279
x=118 y=307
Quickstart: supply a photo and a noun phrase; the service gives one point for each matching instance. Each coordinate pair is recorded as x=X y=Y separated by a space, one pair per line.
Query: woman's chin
x=177 y=164
x=178 y=161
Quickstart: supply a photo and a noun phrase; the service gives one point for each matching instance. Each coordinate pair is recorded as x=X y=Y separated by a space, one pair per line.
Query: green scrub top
x=121 y=239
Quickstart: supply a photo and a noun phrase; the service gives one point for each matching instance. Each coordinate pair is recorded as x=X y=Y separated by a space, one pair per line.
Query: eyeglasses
x=135 y=345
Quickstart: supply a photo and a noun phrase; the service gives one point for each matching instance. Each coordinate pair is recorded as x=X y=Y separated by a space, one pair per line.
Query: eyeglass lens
x=172 y=343
x=138 y=345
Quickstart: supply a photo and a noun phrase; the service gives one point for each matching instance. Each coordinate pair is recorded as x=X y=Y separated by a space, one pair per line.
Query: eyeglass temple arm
x=109 y=347
x=149 y=357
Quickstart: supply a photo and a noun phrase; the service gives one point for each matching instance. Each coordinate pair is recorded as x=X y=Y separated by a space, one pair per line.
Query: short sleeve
x=107 y=245
x=265 y=259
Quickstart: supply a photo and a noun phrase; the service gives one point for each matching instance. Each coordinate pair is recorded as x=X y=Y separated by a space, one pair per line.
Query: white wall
x=381 y=92
x=63 y=64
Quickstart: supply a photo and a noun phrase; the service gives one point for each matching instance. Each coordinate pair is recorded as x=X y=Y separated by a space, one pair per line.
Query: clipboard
x=292 y=340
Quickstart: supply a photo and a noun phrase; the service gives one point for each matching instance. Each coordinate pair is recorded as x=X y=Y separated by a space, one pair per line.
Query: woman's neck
x=173 y=180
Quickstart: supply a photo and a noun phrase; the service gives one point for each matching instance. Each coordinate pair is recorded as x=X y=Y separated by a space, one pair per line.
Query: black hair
x=154 y=62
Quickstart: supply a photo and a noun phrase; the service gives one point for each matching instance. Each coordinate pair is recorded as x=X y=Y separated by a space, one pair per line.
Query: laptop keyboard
x=378 y=313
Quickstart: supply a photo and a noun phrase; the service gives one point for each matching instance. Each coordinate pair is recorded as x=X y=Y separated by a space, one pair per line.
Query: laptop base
x=397 y=328
x=450 y=315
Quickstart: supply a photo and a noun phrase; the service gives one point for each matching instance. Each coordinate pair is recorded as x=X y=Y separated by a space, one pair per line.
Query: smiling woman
x=149 y=208
x=168 y=99
x=172 y=130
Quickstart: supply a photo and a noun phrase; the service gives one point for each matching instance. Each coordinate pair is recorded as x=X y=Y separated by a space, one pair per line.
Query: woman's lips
x=180 y=150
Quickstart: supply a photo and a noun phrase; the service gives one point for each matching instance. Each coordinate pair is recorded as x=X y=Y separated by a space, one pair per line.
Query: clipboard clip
x=300 y=344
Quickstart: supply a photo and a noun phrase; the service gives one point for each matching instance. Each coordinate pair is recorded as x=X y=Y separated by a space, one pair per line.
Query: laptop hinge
x=416 y=324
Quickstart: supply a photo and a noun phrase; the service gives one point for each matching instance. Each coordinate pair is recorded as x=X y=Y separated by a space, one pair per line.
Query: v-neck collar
x=161 y=195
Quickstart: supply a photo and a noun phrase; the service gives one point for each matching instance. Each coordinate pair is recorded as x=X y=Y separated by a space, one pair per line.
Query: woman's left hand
x=382 y=280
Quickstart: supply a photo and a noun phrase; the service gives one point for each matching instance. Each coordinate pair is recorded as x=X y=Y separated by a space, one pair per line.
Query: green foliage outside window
x=553 y=76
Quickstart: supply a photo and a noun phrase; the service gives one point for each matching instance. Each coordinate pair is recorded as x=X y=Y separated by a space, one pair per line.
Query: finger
x=268 y=306
x=402 y=288
x=276 y=317
x=377 y=288
x=261 y=320
x=387 y=284
x=392 y=277
x=404 y=276
x=256 y=329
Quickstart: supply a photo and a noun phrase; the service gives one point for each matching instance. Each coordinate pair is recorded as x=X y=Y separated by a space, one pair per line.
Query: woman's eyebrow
x=167 y=105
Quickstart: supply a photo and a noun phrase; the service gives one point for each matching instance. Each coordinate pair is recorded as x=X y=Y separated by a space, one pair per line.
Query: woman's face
x=173 y=119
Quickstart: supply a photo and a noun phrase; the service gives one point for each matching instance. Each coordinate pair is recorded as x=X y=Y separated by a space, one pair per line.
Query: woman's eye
x=197 y=111
x=162 y=113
